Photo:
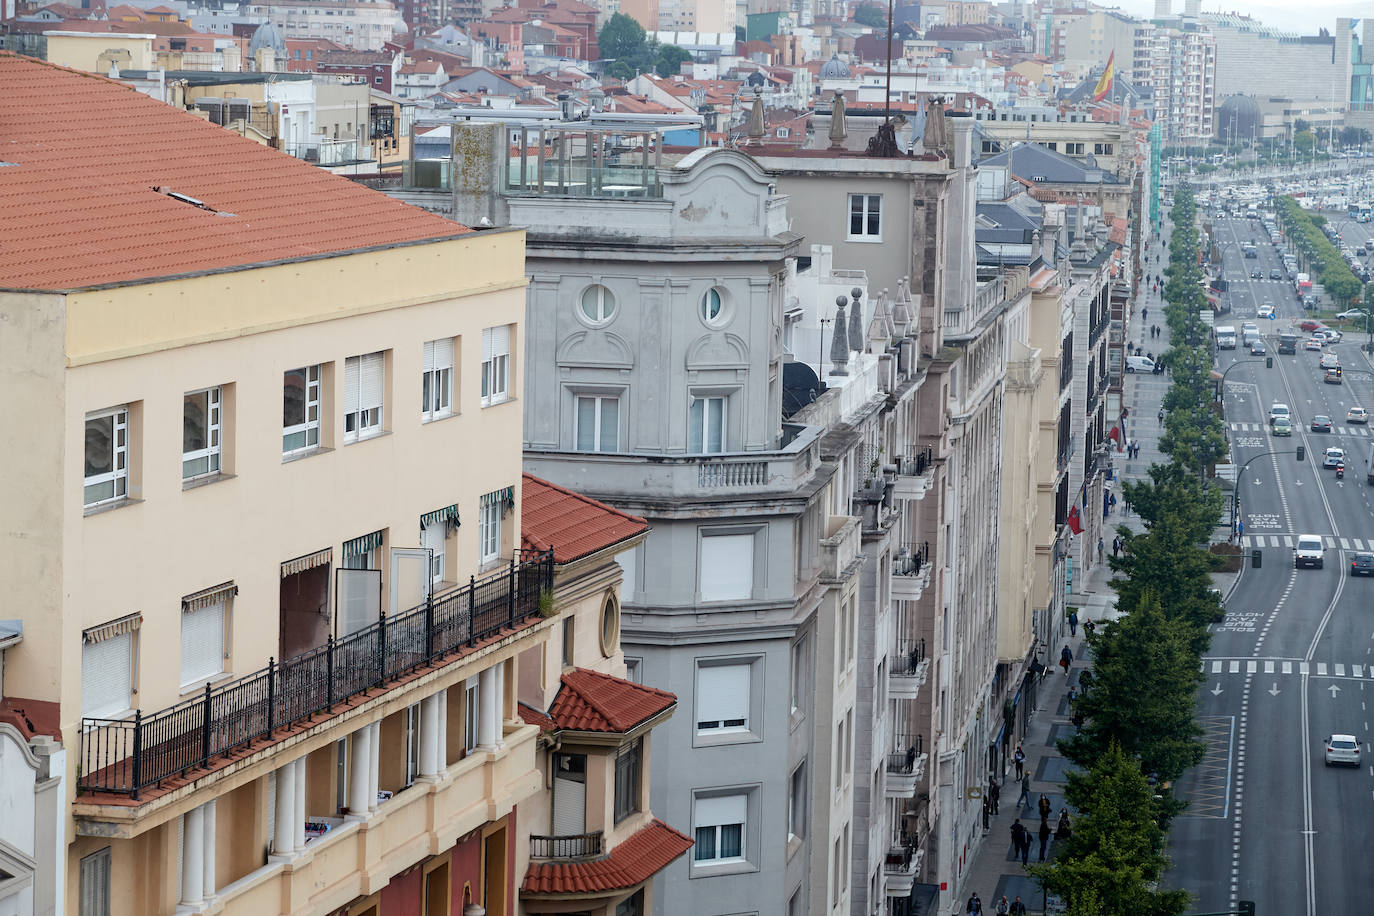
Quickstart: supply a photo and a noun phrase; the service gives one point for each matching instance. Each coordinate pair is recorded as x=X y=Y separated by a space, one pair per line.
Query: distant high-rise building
x=1162 y=9
x=1192 y=8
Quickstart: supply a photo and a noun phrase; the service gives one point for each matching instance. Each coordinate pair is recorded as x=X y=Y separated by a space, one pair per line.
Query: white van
x=1308 y=552
x=1249 y=333
x=1226 y=337
x=1139 y=364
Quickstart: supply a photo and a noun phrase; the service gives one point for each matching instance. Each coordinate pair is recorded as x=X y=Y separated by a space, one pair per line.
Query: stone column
x=360 y=772
x=193 y=857
x=208 y=884
x=299 y=767
x=488 y=717
x=284 y=830
x=429 y=735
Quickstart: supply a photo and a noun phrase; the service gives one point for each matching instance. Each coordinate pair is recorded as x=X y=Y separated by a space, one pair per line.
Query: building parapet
x=841 y=547
x=1004 y=288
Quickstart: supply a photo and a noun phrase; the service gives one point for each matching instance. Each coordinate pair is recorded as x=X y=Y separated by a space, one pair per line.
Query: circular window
x=712 y=306
x=610 y=626
x=598 y=304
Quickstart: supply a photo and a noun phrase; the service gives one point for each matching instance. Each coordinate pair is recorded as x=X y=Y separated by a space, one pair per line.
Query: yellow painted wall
x=83 y=51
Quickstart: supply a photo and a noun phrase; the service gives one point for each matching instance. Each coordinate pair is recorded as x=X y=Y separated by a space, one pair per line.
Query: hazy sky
x=1302 y=17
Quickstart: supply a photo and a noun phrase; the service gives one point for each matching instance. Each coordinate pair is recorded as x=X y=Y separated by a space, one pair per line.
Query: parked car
x=1349 y=314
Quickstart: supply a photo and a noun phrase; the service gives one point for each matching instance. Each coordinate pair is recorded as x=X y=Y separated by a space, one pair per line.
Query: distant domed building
x=268 y=36
x=834 y=69
x=1239 y=117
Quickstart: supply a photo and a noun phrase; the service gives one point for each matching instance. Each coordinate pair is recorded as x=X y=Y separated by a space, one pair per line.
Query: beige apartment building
x=265 y=537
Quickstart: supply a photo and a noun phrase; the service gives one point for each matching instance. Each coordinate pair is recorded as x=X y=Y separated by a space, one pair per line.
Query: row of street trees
x=1140 y=733
x=1304 y=231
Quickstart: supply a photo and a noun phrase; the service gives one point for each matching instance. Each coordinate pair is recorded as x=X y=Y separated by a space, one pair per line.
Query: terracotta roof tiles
x=638 y=858
x=574 y=525
x=590 y=701
x=84 y=159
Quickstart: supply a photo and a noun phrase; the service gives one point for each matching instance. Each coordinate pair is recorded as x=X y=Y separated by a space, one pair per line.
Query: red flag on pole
x=1075 y=523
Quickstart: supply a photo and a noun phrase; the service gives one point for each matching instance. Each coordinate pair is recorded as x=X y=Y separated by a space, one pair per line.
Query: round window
x=610 y=626
x=712 y=306
x=598 y=304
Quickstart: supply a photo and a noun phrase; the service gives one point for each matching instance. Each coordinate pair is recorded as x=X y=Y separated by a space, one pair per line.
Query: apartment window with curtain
x=300 y=410
x=706 y=429
x=364 y=387
x=489 y=526
x=200 y=434
x=628 y=769
x=106 y=456
x=718 y=823
x=437 y=380
x=495 y=365
x=598 y=423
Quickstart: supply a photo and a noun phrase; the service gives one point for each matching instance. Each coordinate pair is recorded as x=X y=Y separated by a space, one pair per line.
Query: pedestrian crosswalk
x=1280 y=666
x=1264 y=428
x=1329 y=542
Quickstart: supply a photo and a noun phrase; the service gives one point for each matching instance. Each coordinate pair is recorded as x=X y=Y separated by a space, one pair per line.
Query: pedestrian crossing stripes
x=1287 y=540
x=1277 y=666
x=1336 y=430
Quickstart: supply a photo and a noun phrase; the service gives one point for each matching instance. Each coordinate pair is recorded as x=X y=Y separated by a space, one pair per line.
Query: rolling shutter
x=721 y=809
x=351 y=384
x=438 y=354
x=107 y=675
x=372 y=381
x=495 y=342
x=569 y=795
x=727 y=567
x=202 y=644
x=723 y=694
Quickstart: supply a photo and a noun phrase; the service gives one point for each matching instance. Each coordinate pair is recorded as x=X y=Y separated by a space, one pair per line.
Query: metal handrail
x=572 y=846
x=125 y=756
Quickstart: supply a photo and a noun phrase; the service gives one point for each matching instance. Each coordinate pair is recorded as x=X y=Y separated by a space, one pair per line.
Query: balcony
x=901 y=866
x=325 y=152
x=911 y=572
x=907 y=671
x=1005 y=287
x=906 y=766
x=841 y=547
x=915 y=475
x=129 y=756
x=782 y=470
x=578 y=847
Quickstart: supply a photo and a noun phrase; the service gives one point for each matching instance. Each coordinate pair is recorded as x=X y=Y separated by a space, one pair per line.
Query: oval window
x=598 y=304
x=712 y=306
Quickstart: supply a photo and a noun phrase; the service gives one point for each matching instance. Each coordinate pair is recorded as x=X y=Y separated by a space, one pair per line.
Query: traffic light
x=1269 y=362
x=1256 y=558
x=1302 y=453
x=1247 y=908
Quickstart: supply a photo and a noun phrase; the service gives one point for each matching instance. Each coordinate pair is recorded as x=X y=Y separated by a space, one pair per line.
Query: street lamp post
x=1235 y=491
x=1221 y=385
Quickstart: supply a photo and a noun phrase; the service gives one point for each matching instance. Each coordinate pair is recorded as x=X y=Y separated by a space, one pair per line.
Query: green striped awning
x=359 y=546
x=447 y=514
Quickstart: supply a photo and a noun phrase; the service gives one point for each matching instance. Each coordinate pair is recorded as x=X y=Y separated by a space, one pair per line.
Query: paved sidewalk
x=994 y=870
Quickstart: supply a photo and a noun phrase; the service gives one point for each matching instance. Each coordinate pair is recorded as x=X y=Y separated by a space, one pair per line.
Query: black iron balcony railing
x=575 y=846
x=917 y=464
x=903 y=760
x=911 y=560
x=126 y=756
x=906 y=661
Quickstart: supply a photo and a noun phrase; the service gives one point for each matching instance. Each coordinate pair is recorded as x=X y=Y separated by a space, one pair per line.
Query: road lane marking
x=1287 y=667
x=1249 y=667
x=1268 y=667
x=1321 y=669
x=1235 y=668
x=1345 y=544
x=1302 y=668
x=1340 y=670
x=1216 y=667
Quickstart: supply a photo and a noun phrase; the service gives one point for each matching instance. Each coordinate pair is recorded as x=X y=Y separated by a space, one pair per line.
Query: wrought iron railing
x=916 y=465
x=909 y=749
x=906 y=661
x=126 y=756
x=911 y=560
x=575 y=846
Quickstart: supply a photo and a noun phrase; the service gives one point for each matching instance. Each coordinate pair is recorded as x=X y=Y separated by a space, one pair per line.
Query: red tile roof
x=645 y=853
x=85 y=157
x=592 y=702
x=574 y=525
x=533 y=716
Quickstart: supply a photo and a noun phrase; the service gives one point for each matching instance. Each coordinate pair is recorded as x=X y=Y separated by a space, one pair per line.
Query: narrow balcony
x=841 y=547
x=900 y=868
x=911 y=572
x=906 y=767
x=579 y=847
x=192 y=738
x=907 y=671
x=915 y=474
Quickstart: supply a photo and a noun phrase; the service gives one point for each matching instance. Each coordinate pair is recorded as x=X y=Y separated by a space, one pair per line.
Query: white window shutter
x=569 y=806
x=107 y=676
x=442 y=353
x=372 y=381
x=202 y=644
x=722 y=693
x=428 y=361
x=351 y=384
x=727 y=567
x=487 y=341
x=721 y=809
x=500 y=341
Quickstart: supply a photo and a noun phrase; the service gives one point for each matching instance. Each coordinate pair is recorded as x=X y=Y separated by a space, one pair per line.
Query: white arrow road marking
x=1333 y=688
x=1275 y=691
x=1216 y=691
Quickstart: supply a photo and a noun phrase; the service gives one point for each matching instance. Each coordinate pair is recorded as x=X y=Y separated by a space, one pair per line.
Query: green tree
x=670 y=59
x=621 y=37
x=1300 y=125
x=1115 y=855
x=1304 y=140
x=871 y=15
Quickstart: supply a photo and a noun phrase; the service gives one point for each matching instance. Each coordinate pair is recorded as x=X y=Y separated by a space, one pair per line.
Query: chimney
x=960 y=127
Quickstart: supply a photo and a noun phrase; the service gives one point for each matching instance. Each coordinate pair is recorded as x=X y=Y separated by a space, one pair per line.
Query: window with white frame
x=437 y=380
x=801 y=674
x=866 y=216
x=300 y=422
x=434 y=538
x=107 y=456
x=706 y=425
x=598 y=423
x=839 y=754
x=726 y=572
x=495 y=365
x=107 y=668
x=796 y=803
x=472 y=714
x=598 y=304
x=489 y=527
x=204 y=626
x=200 y=433
x=95 y=884
x=718 y=823
x=364 y=384
x=723 y=698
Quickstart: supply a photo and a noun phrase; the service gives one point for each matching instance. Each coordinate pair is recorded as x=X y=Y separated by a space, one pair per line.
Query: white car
x=1330 y=361
x=1357 y=415
x=1351 y=313
x=1266 y=311
x=1327 y=335
x=1342 y=749
x=1277 y=410
x=1333 y=457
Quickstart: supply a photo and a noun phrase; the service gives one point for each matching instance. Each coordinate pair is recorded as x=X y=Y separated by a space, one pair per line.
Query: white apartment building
x=363 y=25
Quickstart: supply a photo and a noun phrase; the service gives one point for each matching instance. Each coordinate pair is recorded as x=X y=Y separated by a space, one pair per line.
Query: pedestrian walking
x=1064 y=829
x=1116 y=546
x=1019 y=758
x=975 y=905
x=987 y=812
x=1111 y=502
x=1045 y=834
x=1017 y=907
x=1019 y=836
x=1065 y=661
x=1100 y=545
x=1003 y=906
x=1145 y=314
x=1161 y=415
x=1073 y=622
x=1025 y=791
x=994 y=795
x=1088 y=628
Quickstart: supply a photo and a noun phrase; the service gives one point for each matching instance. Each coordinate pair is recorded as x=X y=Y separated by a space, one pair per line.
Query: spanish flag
x=1104 y=84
